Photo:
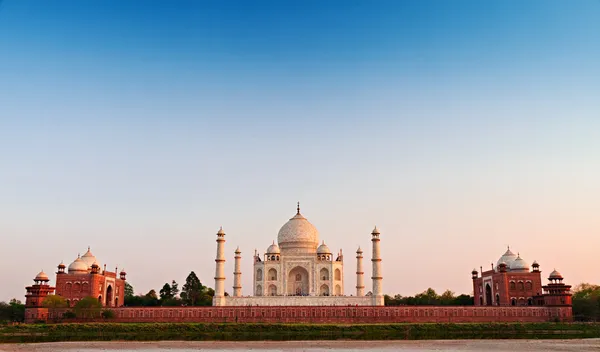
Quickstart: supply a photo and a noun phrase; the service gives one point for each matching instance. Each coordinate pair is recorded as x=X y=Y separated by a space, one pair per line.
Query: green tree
x=13 y=311
x=174 y=289
x=128 y=290
x=192 y=290
x=54 y=301
x=447 y=298
x=88 y=307
x=165 y=292
x=586 y=302
x=464 y=300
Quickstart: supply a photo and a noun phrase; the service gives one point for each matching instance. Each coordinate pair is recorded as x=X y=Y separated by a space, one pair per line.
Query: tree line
x=430 y=298
x=193 y=293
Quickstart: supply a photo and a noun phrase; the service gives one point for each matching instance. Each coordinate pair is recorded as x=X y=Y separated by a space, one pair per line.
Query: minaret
x=237 y=274
x=219 y=299
x=360 y=274
x=377 y=274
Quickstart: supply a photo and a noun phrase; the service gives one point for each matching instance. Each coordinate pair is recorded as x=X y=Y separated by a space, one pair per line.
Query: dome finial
x=298 y=209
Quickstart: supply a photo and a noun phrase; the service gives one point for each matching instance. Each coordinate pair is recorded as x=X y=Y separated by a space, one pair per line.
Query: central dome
x=298 y=235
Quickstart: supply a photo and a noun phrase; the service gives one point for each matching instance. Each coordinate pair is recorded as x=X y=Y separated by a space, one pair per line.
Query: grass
x=289 y=332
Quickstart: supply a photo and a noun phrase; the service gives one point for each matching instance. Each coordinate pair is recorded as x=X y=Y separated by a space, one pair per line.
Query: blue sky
x=140 y=127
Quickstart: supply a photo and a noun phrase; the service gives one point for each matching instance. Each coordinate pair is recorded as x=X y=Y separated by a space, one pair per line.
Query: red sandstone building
x=83 y=278
x=513 y=283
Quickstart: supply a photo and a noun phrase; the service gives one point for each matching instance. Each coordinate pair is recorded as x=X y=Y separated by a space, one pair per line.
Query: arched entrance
x=109 y=295
x=324 y=290
x=273 y=290
x=297 y=284
x=488 y=295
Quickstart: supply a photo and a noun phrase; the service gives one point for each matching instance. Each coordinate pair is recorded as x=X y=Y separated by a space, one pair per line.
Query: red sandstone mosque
x=83 y=278
x=514 y=283
x=294 y=281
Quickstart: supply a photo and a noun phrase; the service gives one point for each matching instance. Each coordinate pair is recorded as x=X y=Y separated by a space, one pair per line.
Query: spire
x=298 y=209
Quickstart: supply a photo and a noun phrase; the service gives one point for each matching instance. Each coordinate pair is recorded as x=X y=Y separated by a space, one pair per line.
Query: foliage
x=194 y=293
x=174 y=289
x=88 y=307
x=263 y=331
x=128 y=290
x=54 y=301
x=429 y=298
x=13 y=311
x=108 y=314
x=165 y=292
x=69 y=315
x=586 y=302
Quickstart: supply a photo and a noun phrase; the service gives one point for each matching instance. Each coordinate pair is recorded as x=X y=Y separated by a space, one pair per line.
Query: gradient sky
x=457 y=127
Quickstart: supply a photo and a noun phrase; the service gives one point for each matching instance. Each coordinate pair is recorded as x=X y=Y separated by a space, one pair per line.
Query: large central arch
x=297 y=282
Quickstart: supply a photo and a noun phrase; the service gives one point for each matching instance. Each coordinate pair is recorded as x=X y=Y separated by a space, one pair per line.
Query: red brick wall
x=340 y=315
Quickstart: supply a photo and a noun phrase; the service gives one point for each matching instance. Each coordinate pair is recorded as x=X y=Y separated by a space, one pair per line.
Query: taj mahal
x=298 y=271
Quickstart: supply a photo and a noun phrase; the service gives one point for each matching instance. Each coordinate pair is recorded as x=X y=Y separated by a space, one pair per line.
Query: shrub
x=108 y=314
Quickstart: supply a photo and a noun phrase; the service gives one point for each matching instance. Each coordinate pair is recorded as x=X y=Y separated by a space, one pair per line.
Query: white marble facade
x=297 y=271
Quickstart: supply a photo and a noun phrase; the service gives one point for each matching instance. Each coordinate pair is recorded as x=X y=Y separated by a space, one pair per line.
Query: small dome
x=273 y=249
x=474 y=271
x=95 y=265
x=41 y=276
x=519 y=264
x=78 y=266
x=61 y=265
x=237 y=250
x=555 y=275
x=323 y=249
x=123 y=272
x=221 y=232
x=359 y=251
x=535 y=263
x=375 y=231
x=507 y=258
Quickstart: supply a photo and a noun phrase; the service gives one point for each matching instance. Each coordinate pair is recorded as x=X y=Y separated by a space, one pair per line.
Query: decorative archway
x=272 y=275
x=297 y=284
x=259 y=290
x=338 y=290
x=109 y=295
x=488 y=295
x=259 y=275
x=338 y=274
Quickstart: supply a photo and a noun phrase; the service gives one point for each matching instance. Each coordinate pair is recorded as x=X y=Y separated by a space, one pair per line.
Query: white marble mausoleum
x=298 y=271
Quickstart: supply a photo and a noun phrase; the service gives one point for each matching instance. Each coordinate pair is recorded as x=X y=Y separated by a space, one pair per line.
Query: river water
x=588 y=345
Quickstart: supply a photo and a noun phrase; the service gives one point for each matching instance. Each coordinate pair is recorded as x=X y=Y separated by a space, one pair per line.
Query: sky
x=457 y=127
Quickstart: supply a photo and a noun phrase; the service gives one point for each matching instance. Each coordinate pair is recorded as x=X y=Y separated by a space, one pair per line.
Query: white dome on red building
x=507 y=258
x=78 y=266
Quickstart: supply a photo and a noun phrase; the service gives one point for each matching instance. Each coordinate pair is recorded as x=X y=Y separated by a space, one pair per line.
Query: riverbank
x=587 y=345
x=291 y=332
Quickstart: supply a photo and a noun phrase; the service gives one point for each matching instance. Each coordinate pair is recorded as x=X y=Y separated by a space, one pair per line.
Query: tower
x=219 y=298
x=377 y=274
x=237 y=274
x=556 y=293
x=360 y=274
x=34 y=299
